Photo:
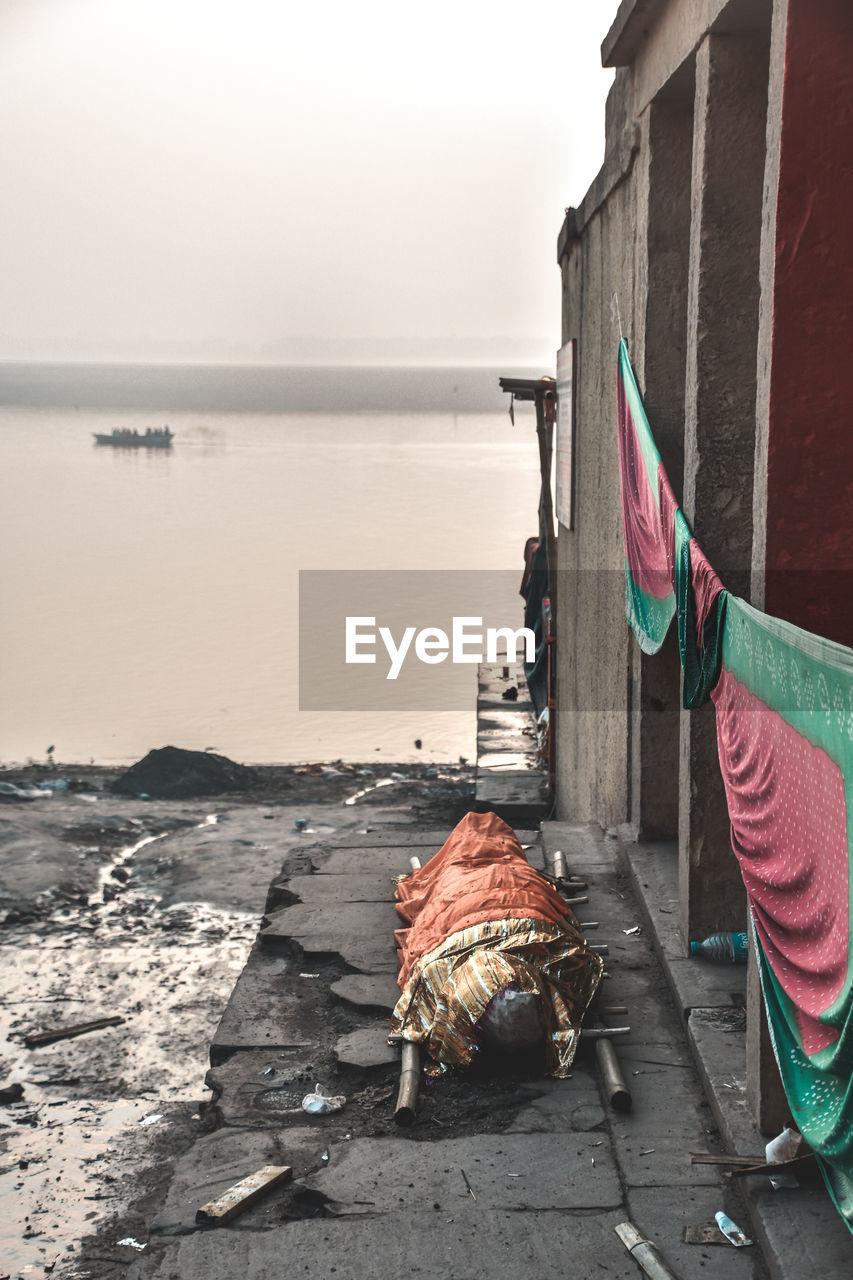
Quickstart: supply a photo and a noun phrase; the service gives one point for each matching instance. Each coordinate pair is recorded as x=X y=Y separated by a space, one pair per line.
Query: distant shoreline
x=228 y=388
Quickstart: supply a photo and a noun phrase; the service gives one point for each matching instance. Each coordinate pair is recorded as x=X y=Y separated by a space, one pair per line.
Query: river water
x=150 y=597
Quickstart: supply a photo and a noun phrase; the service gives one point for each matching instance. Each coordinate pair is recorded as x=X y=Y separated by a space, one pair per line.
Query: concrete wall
x=637 y=235
x=593 y=650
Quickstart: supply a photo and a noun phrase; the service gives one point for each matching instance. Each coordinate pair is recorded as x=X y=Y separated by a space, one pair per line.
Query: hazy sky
x=277 y=180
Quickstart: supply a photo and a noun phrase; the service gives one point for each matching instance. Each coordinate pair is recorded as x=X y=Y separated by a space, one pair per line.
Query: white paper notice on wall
x=565 y=434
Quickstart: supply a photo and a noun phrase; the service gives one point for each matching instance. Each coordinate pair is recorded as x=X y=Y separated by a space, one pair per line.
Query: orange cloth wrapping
x=481 y=920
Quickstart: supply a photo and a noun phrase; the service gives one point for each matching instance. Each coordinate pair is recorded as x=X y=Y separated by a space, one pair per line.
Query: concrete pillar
x=720 y=396
x=655 y=686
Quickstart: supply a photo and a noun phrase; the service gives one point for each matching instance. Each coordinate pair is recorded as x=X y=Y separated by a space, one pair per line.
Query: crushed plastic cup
x=321 y=1102
x=783 y=1147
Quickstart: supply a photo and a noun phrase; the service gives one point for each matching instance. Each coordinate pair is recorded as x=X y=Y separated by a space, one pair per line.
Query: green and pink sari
x=784 y=706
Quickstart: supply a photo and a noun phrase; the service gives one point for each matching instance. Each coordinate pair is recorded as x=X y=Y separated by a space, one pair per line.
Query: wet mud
x=146 y=911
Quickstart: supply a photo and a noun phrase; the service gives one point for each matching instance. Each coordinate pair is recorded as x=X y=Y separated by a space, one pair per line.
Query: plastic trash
x=11 y=792
x=321 y=1102
x=300 y=824
x=54 y=784
x=724 y=948
x=783 y=1147
x=731 y=1230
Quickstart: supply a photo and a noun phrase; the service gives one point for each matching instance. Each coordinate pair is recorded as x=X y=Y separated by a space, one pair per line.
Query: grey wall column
x=656 y=693
x=720 y=389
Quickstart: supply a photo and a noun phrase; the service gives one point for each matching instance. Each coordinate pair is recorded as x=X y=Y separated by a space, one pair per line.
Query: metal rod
x=601 y=1033
x=410 y=1080
x=561 y=871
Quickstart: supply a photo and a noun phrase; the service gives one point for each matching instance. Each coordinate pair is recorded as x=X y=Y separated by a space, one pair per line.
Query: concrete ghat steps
x=551 y=1181
x=510 y=781
x=802 y=1235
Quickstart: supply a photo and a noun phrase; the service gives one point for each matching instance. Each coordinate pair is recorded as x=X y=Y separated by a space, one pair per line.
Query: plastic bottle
x=731 y=948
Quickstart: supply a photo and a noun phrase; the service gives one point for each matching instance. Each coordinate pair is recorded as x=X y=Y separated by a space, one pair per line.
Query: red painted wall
x=809 y=557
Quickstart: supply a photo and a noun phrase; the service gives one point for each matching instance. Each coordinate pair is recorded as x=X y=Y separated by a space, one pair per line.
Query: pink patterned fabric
x=789 y=831
x=645 y=547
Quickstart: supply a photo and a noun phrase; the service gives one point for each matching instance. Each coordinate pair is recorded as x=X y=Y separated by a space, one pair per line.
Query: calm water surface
x=151 y=597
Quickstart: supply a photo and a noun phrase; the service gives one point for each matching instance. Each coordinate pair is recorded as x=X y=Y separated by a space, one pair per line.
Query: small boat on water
x=151 y=438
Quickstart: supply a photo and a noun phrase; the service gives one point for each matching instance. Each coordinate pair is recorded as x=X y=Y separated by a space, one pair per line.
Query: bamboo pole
x=643 y=1252
x=617 y=1091
x=410 y=1079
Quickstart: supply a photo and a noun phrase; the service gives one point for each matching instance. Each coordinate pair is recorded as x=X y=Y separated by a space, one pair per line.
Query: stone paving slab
x=220 y=1159
x=378 y=991
x=556 y=1172
x=494 y=760
x=254 y=1087
x=428 y=1244
x=350 y=887
x=663 y=1220
x=367 y=1047
x=512 y=789
x=666 y=1121
x=566 y=1106
x=387 y=861
x=505 y=739
x=376 y=838
x=361 y=933
x=262 y=1010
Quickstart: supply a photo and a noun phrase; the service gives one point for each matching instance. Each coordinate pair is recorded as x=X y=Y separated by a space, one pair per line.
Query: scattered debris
x=468 y=1184
x=784 y=1147
x=510 y=694
x=299 y=824
x=702 y=1157
x=632 y=933
x=148 y=1120
x=243 y=1194
x=602 y=1033
x=38 y=1038
x=704 y=1233
x=324 y=1158
x=133 y=1244
x=8 y=791
x=731 y=1230
x=320 y=1102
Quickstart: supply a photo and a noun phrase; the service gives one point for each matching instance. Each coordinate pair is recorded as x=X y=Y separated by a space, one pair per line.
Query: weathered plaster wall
x=593 y=649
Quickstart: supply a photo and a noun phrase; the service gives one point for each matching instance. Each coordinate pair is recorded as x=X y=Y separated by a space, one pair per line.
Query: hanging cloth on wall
x=784 y=707
x=666 y=571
